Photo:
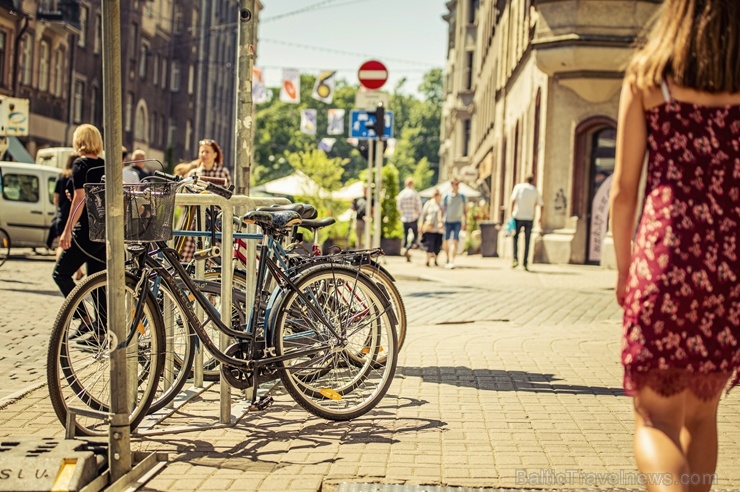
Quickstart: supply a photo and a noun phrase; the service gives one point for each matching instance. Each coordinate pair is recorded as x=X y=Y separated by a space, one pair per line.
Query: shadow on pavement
x=53 y=293
x=498 y=380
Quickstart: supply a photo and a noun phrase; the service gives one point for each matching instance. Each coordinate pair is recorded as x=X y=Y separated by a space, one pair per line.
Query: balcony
x=584 y=44
x=65 y=15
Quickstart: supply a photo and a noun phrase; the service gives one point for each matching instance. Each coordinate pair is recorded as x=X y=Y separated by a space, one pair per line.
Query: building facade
x=178 y=66
x=532 y=86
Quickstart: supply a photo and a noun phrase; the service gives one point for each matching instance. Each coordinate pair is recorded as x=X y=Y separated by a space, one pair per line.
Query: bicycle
x=323 y=333
x=4 y=246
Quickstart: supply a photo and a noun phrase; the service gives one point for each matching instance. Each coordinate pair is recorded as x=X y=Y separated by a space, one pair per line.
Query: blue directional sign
x=362 y=124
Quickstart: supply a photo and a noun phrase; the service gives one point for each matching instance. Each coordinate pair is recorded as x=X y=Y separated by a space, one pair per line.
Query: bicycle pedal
x=262 y=403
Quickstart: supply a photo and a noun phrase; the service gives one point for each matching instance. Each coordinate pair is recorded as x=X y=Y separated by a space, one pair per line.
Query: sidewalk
x=507 y=379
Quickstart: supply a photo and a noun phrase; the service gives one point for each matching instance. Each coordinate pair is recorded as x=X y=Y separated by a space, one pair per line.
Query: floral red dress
x=682 y=306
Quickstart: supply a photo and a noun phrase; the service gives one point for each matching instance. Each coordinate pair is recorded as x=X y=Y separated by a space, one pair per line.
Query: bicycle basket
x=148 y=209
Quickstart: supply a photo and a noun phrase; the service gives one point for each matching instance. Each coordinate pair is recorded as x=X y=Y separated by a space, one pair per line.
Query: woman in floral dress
x=678 y=284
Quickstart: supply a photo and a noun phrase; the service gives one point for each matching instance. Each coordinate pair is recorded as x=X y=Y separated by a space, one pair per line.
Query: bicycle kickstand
x=261 y=403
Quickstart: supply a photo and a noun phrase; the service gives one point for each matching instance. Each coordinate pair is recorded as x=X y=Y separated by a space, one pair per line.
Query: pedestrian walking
x=525 y=199
x=129 y=174
x=359 y=206
x=432 y=226
x=63 y=189
x=408 y=202
x=453 y=211
x=210 y=164
x=678 y=283
x=138 y=164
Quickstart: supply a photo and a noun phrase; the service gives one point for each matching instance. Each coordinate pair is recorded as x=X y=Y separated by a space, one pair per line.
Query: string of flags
x=323 y=90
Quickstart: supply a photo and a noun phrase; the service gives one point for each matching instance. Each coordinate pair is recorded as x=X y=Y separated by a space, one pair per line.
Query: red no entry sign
x=372 y=74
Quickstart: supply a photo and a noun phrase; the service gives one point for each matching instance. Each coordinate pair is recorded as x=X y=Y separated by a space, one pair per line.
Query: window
x=164 y=72
x=21 y=188
x=188 y=134
x=175 y=76
x=79 y=94
x=82 y=39
x=94 y=104
x=466 y=138
x=191 y=79
x=178 y=22
x=3 y=54
x=50 y=189
x=155 y=70
x=133 y=36
x=44 y=66
x=58 y=72
x=98 y=34
x=143 y=58
x=140 y=127
x=129 y=110
x=26 y=61
x=468 y=70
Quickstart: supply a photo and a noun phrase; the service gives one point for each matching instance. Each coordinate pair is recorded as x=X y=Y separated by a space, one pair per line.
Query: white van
x=27 y=202
x=54 y=156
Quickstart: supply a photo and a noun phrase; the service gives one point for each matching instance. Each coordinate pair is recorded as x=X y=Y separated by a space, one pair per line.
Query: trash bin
x=489 y=238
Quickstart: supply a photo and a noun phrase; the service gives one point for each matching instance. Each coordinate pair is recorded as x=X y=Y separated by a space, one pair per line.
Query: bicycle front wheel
x=341 y=361
x=78 y=360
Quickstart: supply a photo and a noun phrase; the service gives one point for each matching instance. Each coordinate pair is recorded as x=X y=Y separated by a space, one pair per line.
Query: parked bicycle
x=323 y=332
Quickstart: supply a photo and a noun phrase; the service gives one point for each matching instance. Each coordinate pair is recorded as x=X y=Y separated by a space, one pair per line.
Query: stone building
x=532 y=86
x=178 y=62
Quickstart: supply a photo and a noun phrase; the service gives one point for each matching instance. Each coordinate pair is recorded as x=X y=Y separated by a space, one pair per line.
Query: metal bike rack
x=237 y=204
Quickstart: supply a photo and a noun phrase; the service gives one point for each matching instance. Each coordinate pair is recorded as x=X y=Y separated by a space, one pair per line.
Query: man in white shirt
x=524 y=202
x=408 y=202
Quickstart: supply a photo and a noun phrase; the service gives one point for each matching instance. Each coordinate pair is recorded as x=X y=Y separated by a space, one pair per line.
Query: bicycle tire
x=380 y=275
x=79 y=375
x=328 y=383
x=4 y=246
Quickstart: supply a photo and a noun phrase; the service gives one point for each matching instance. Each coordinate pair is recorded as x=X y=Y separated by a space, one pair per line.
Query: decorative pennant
x=323 y=89
x=326 y=144
x=259 y=90
x=308 y=121
x=354 y=142
x=290 y=90
x=390 y=147
x=336 y=122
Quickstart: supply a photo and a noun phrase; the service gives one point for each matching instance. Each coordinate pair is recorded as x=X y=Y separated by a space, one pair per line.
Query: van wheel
x=4 y=246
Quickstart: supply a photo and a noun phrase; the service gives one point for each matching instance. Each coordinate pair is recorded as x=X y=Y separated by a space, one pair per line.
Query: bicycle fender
x=276 y=299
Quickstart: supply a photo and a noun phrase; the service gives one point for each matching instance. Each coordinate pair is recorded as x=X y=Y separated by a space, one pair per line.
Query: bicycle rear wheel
x=4 y=246
x=379 y=274
x=78 y=359
x=324 y=374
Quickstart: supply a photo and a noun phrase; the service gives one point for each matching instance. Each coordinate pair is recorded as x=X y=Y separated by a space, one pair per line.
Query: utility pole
x=379 y=135
x=243 y=141
x=119 y=436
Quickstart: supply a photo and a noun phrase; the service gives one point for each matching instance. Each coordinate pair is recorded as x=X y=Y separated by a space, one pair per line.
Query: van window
x=50 y=188
x=20 y=187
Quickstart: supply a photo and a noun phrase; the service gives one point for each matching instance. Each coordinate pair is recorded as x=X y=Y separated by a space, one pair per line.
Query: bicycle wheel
x=180 y=342
x=4 y=246
x=323 y=374
x=78 y=359
x=378 y=274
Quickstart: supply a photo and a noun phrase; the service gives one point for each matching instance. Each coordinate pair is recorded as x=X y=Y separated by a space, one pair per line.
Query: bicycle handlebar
x=210 y=183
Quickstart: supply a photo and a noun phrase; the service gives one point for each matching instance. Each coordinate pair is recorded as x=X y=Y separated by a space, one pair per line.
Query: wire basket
x=148 y=211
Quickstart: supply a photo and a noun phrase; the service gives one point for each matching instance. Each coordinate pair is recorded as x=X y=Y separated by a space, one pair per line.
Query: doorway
x=601 y=169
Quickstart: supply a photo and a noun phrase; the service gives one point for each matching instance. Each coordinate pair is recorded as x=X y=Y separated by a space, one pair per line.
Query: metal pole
x=369 y=194
x=119 y=437
x=378 y=214
x=244 y=107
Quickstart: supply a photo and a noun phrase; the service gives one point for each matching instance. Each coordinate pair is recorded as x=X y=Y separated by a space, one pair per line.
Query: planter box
x=391 y=246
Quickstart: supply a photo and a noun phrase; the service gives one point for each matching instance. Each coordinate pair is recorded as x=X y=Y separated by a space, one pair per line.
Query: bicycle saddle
x=305 y=210
x=272 y=220
x=318 y=223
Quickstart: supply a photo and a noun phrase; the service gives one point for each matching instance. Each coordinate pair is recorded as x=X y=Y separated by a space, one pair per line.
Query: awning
x=17 y=151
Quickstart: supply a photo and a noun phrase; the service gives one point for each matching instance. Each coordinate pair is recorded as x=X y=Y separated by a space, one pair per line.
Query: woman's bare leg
x=658 y=450
x=699 y=441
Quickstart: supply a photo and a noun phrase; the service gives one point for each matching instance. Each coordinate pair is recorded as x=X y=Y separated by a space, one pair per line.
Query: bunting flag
x=336 y=122
x=326 y=144
x=390 y=147
x=290 y=90
x=308 y=121
x=323 y=89
x=354 y=142
x=259 y=90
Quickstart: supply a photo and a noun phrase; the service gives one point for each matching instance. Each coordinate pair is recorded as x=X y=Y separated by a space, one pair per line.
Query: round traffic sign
x=372 y=74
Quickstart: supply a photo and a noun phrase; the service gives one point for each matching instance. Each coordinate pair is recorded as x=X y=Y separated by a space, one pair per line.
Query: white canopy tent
x=466 y=190
x=296 y=184
x=350 y=192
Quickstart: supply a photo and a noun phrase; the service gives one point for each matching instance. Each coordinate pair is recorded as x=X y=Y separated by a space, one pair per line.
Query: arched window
x=141 y=124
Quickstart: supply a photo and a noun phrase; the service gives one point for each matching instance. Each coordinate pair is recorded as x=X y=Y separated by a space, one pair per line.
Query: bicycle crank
x=237 y=377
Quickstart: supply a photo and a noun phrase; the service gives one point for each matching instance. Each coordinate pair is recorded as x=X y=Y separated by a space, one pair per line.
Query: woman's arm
x=629 y=159
x=76 y=210
x=56 y=200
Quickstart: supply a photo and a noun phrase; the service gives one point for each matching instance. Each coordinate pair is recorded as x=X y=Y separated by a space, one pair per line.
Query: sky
x=408 y=36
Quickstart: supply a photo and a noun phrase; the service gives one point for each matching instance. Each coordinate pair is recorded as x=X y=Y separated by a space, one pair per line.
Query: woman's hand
x=621 y=289
x=65 y=240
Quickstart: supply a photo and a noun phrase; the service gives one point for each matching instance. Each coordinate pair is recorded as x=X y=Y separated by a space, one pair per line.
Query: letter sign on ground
x=372 y=74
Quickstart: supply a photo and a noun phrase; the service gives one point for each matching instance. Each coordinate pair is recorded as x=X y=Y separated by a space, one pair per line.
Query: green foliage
x=391 y=226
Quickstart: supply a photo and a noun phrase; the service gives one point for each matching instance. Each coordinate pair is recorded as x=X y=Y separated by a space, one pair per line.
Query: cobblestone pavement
x=507 y=379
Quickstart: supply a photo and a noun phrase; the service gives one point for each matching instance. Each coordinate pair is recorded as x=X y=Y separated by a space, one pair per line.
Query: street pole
x=119 y=437
x=243 y=140
x=379 y=134
x=369 y=193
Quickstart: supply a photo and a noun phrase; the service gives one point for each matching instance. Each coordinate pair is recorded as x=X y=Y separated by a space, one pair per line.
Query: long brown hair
x=696 y=43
